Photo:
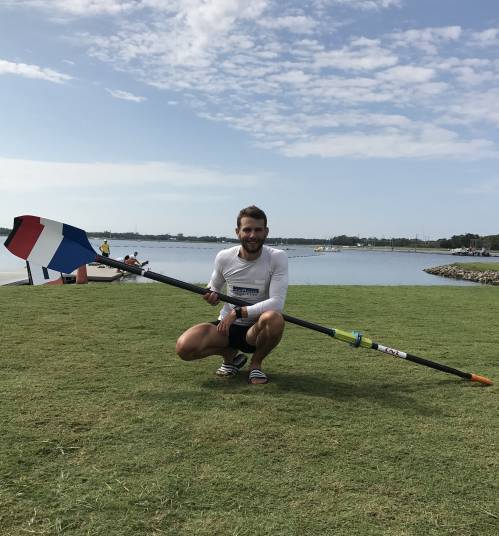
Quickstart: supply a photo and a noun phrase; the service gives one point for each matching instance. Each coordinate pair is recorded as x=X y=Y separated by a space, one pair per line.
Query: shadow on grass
x=375 y=393
x=414 y=396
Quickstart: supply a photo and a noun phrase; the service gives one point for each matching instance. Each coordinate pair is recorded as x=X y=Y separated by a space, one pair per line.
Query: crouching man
x=257 y=274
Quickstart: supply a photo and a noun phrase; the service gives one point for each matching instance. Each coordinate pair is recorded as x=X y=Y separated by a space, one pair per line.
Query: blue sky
x=370 y=117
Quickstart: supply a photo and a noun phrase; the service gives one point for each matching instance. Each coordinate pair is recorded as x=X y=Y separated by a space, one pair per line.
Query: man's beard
x=254 y=245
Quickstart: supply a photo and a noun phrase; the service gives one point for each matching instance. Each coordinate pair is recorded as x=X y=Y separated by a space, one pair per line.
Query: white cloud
x=225 y=62
x=470 y=77
x=32 y=71
x=206 y=22
x=426 y=39
x=125 y=95
x=84 y=8
x=487 y=38
x=21 y=176
x=190 y=36
x=290 y=78
x=296 y=24
x=426 y=141
x=368 y=4
x=474 y=108
x=407 y=74
x=362 y=59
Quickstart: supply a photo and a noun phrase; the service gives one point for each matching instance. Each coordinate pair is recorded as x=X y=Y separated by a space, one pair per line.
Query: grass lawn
x=478 y=266
x=104 y=431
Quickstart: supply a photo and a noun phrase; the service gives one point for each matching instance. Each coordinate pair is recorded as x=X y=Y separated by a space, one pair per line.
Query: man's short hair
x=251 y=212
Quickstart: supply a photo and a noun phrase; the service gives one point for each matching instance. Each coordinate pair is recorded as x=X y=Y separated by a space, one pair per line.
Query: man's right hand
x=212 y=298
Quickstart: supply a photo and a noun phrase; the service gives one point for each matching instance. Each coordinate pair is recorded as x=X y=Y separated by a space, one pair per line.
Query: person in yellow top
x=105 y=249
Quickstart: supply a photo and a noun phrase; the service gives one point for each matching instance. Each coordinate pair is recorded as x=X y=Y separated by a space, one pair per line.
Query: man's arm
x=216 y=283
x=277 y=290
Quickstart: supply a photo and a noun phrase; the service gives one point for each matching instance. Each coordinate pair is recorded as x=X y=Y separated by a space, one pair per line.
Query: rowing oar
x=64 y=248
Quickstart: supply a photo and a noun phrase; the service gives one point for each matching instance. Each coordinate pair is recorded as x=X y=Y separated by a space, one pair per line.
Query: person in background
x=257 y=274
x=127 y=259
x=105 y=249
x=131 y=260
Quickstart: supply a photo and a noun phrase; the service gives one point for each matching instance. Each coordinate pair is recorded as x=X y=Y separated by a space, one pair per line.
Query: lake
x=193 y=262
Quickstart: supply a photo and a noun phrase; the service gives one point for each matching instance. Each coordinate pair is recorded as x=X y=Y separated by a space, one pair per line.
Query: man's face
x=252 y=234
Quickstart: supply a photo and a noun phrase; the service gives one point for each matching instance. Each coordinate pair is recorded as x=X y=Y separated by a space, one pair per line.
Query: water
x=193 y=262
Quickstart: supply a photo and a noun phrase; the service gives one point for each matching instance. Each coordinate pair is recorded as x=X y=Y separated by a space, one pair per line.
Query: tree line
x=456 y=241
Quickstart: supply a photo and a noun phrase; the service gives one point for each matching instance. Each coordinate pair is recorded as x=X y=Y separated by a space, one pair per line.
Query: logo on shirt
x=244 y=291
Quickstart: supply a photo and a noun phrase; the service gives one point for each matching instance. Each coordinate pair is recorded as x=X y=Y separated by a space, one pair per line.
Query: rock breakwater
x=489 y=277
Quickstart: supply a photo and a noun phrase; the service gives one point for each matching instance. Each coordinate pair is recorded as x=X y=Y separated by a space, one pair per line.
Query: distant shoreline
x=400 y=244
x=433 y=251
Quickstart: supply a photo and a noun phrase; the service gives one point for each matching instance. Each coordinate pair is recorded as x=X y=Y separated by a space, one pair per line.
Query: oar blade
x=49 y=243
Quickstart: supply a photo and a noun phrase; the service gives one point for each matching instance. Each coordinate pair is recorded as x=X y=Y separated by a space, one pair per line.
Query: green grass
x=104 y=431
x=478 y=266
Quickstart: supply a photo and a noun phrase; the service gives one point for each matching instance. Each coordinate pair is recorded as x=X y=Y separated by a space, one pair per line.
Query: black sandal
x=257 y=374
x=231 y=369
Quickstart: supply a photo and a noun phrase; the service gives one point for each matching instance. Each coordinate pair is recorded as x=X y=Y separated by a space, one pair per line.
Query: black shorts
x=237 y=337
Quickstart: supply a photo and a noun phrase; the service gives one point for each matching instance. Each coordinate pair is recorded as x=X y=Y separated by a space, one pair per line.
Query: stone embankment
x=489 y=277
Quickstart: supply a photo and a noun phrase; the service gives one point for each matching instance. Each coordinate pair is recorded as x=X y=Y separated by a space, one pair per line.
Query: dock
x=14 y=278
x=97 y=273
x=100 y=273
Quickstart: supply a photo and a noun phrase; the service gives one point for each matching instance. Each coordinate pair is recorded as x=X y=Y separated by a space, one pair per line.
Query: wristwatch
x=239 y=312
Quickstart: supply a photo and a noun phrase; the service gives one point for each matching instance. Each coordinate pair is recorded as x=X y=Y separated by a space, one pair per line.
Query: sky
x=358 y=117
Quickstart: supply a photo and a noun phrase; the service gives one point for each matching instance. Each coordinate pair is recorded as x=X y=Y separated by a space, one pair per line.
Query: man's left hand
x=226 y=323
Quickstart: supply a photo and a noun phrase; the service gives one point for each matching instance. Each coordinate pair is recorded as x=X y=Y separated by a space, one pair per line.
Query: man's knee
x=273 y=320
x=185 y=348
x=193 y=343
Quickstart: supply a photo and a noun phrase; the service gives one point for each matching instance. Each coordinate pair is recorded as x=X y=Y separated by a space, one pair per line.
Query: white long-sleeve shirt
x=262 y=282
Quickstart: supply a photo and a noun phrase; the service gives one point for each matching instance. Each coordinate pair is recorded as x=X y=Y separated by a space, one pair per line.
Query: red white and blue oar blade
x=49 y=243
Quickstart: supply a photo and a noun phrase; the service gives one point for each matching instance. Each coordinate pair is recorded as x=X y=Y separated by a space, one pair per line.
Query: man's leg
x=204 y=340
x=265 y=336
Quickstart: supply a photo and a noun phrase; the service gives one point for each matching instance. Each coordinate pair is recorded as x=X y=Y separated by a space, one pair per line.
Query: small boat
x=459 y=251
x=326 y=249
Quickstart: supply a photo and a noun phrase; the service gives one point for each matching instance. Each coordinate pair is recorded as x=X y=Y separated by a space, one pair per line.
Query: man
x=257 y=274
x=105 y=249
x=127 y=260
x=132 y=259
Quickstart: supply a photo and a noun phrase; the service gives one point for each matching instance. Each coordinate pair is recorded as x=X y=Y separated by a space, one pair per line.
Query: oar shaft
x=438 y=366
x=420 y=360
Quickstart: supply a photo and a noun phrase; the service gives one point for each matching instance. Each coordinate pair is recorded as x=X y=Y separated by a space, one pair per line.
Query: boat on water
x=326 y=249
x=483 y=252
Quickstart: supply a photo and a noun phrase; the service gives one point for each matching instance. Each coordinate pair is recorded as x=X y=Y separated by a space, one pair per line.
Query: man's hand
x=224 y=325
x=212 y=298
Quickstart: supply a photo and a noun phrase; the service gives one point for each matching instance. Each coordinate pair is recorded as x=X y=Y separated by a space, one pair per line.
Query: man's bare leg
x=202 y=341
x=265 y=336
